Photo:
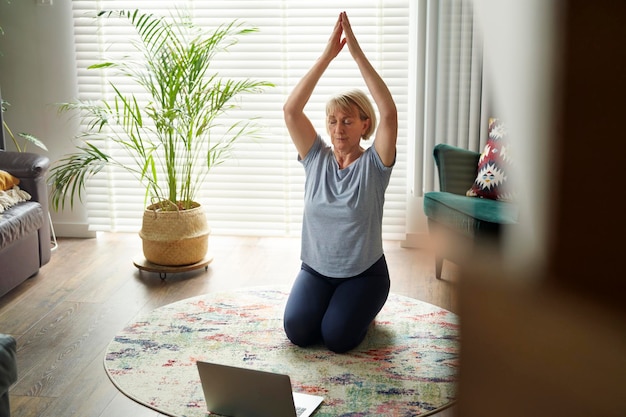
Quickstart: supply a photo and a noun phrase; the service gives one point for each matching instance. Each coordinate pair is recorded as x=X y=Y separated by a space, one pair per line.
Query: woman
x=344 y=281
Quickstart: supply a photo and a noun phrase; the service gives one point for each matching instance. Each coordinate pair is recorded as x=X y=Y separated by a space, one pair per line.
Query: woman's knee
x=299 y=333
x=340 y=337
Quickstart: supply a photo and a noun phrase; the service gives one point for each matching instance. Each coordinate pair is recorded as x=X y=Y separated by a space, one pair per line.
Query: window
x=259 y=190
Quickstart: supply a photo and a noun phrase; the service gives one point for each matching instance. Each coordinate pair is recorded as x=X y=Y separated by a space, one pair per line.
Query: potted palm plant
x=170 y=137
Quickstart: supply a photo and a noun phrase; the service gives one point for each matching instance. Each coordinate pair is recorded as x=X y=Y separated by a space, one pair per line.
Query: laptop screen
x=234 y=391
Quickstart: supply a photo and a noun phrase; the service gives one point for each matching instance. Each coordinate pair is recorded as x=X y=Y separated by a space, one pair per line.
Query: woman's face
x=346 y=129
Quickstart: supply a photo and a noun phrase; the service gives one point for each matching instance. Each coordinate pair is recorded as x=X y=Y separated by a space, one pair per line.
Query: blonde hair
x=346 y=102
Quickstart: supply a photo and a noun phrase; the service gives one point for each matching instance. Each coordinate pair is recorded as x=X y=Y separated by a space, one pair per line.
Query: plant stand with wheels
x=144 y=265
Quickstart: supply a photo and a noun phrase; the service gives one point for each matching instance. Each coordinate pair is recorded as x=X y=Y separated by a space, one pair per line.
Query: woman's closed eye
x=345 y=122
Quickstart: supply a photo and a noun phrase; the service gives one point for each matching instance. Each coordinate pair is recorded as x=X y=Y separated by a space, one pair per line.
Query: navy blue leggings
x=335 y=311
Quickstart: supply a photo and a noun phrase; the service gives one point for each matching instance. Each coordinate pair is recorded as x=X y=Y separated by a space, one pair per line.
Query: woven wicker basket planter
x=175 y=237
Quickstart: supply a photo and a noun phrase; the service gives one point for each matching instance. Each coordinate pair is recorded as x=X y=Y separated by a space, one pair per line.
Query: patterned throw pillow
x=494 y=166
x=7 y=181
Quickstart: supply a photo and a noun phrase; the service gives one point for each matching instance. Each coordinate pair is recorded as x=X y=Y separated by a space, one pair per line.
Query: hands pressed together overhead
x=342 y=35
x=300 y=127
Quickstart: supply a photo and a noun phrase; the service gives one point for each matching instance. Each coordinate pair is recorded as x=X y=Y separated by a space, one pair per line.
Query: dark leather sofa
x=24 y=228
x=8 y=371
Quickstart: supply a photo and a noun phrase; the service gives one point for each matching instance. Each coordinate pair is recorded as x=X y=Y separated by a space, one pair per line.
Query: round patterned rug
x=406 y=366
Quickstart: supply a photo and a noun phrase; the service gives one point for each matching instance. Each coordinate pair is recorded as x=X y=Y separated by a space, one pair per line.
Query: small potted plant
x=170 y=138
x=27 y=137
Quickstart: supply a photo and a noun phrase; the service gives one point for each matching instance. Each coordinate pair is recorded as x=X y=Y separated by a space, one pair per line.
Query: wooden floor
x=64 y=318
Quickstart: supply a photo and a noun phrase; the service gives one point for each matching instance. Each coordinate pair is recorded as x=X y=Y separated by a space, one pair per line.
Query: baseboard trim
x=416 y=241
x=77 y=230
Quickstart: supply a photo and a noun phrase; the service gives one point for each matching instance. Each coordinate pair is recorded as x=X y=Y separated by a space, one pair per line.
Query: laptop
x=241 y=392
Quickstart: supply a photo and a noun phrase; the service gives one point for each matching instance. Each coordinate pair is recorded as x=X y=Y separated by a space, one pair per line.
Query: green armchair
x=459 y=224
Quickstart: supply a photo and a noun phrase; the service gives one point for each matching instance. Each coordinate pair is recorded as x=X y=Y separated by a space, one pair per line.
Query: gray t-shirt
x=343 y=211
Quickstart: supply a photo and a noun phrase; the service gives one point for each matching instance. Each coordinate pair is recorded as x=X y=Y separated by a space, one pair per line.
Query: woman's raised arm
x=387 y=130
x=300 y=127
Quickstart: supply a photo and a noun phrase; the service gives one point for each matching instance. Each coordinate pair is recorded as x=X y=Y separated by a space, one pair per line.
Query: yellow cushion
x=7 y=181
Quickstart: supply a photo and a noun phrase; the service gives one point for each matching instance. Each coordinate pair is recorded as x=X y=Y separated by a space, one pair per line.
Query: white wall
x=37 y=70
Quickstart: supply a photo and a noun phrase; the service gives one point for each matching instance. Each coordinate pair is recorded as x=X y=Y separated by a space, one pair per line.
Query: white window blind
x=259 y=190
